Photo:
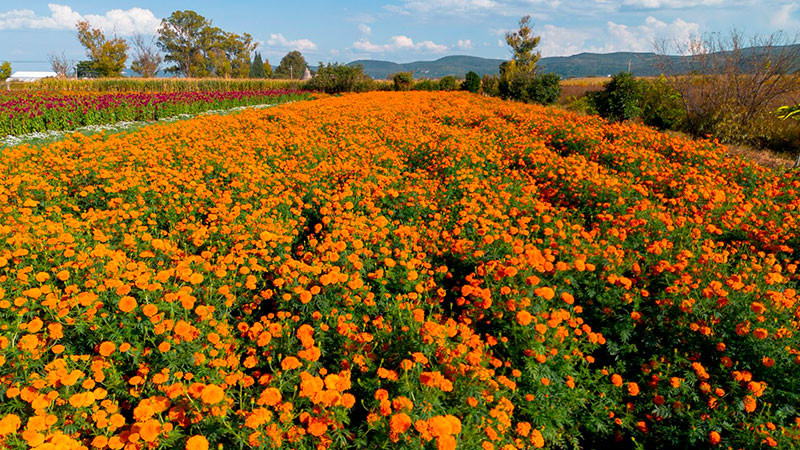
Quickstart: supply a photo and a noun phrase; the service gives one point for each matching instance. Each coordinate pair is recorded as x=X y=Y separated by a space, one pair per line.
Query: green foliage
x=292 y=66
x=544 y=89
x=108 y=56
x=5 y=70
x=267 y=68
x=530 y=88
x=789 y=112
x=146 y=59
x=472 y=82
x=257 y=67
x=491 y=85
x=621 y=99
x=402 y=81
x=662 y=106
x=85 y=69
x=425 y=85
x=198 y=49
x=448 y=83
x=522 y=43
x=335 y=78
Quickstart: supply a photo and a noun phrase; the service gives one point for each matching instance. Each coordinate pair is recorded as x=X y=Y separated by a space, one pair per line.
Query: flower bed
x=396 y=270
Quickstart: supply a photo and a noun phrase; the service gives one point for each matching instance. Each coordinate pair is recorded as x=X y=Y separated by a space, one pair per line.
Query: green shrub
x=530 y=88
x=448 y=83
x=662 y=106
x=335 y=78
x=403 y=81
x=425 y=85
x=621 y=99
x=472 y=83
x=544 y=89
x=5 y=70
x=491 y=85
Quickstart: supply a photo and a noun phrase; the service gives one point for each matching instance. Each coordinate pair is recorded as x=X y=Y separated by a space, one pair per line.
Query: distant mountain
x=575 y=66
x=581 y=65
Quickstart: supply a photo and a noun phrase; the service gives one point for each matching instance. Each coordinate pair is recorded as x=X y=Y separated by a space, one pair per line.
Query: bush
x=335 y=78
x=544 y=89
x=5 y=70
x=448 y=83
x=621 y=99
x=472 y=83
x=662 y=106
x=425 y=85
x=491 y=85
x=530 y=88
x=403 y=81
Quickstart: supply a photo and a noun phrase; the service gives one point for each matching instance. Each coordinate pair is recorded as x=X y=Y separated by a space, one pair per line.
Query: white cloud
x=558 y=41
x=123 y=22
x=278 y=40
x=657 y=4
x=643 y=37
x=465 y=44
x=364 y=29
x=784 y=18
x=398 y=43
x=443 y=6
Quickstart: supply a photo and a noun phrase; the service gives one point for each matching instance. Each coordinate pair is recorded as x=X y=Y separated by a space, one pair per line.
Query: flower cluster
x=23 y=112
x=396 y=270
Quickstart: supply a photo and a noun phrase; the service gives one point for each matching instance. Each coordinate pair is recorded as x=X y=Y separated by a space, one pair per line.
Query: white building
x=30 y=77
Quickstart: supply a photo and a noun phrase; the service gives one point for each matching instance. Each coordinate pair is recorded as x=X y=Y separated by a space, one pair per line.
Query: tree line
x=186 y=44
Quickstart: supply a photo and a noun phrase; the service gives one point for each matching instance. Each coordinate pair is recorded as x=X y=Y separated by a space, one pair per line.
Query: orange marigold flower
x=270 y=397
x=633 y=388
x=107 y=348
x=197 y=443
x=524 y=317
x=317 y=427
x=537 y=439
x=714 y=438
x=399 y=423
x=616 y=380
x=127 y=304
x=290 y=362
x=9 y=424
x=150 y=430
x=212 y=394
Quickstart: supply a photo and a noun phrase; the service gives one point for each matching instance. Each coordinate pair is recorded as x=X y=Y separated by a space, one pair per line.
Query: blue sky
x=394 y=30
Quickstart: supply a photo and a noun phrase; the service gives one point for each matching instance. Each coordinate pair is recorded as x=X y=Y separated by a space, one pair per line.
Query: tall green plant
x=621 y=99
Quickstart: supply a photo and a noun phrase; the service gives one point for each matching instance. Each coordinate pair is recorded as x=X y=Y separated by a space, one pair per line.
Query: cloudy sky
x=395 y=30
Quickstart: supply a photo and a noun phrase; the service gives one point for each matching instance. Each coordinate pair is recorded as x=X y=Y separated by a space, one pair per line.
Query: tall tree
x=522 y=43
x=257 y=67
x=267 y=68
x=5 y=70
x=108 y=56
x=60 y=64
x=182 y=37
x=292 y=66
x=146 y=59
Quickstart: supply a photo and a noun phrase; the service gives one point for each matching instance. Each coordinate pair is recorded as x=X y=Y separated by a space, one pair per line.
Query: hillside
x=581 y=65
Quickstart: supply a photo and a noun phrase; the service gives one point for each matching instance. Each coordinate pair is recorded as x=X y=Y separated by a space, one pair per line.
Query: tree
x=85 y=69
x=472 y=83
x=727 y=83
x=5 y=70
x=522 y=43
x=257 y=67
x=181 y=37
x=292 y=66
x=621 y=99
x=198 y=49
x=60 y=64
x=335 y=78
x=146 y=59
x=267 y=68
x=108 y=56
x=403 y=81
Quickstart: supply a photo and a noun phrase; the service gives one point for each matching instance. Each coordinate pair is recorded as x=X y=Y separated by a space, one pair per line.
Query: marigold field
x=396 y=270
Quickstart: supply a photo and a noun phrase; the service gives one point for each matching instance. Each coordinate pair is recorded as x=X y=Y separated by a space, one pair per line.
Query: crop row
x=23 y=112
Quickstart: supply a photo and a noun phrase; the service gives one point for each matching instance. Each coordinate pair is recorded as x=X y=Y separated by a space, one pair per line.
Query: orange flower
x=270 y=397
x=107 y=348
x=524 y=317
x=714 y=438
x=290 y=362
x=633 y=388
x=212 y=394
x=127 y=304
x=399 y=423
x=317 y=427
x=197 y=443
x=150 y=430
x=9 y=424
x=616 y=380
